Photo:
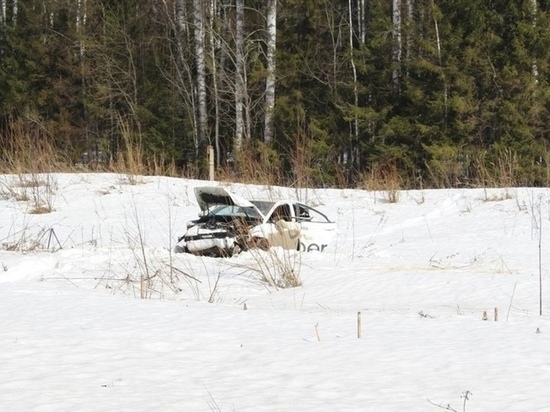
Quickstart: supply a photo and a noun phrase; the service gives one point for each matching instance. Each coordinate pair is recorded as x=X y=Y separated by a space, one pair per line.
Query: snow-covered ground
x=97 y=314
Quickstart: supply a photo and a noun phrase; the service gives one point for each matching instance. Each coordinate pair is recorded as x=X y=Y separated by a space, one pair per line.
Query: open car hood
x=208 y=196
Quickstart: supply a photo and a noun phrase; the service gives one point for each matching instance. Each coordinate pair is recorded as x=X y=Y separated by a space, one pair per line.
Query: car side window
x=282 y=212
x=301 y=212
x=309 y=214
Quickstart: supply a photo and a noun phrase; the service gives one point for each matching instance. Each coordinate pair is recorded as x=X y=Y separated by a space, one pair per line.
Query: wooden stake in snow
x=142 y=287
x=317 y=332
x=210 y=153
x=359 y=325
x=496 y=314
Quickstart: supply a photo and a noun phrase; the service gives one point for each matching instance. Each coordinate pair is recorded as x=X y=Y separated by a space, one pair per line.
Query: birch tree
x=361 y=19
x=435 y=14
x=184 y=79
x=409 y=30
x=239 y=75
x=534 y=67
x=397 y=46
x=81 y=16
x=355 y=127
x=2 y=24
x=270 y=80
x=202 y=126
x=215 y=45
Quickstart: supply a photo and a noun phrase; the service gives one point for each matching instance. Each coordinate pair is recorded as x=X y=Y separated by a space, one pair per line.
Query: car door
x=316 y=230
x=279 y=227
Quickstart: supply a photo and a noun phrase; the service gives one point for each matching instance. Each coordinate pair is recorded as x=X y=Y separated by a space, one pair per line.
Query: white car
x=229 y=224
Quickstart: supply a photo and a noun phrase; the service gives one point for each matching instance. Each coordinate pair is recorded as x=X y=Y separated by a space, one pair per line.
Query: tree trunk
x=2 y=13
x=200 y=84
x=355 y=127
x=181 y=23
x=214 y=45
x=2 y=24
x=362 y=20
x=534 y=67
x=184 y=73
x=409 y=34
x=439 y=59
x=397 y=46
x=81 y=16
x=239 y=75
x=270 y=81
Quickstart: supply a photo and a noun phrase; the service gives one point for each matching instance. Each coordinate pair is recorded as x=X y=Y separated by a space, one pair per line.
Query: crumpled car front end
x=210 y=241
x=224 y=224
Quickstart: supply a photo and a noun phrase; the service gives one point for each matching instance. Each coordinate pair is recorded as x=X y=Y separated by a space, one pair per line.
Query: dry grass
x=26 y=147
x=274 y=267
x=385 y=179
x=152 y=274
x=257 y=164
x=29 y=240
x=37 y=189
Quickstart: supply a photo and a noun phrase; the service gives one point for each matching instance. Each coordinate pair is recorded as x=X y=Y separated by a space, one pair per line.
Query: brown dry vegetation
x=28 y=149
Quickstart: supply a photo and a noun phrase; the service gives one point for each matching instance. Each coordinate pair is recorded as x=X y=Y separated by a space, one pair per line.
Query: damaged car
x=229 y=224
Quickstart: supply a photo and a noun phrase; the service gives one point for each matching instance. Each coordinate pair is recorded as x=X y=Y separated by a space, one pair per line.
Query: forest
x=320 y=93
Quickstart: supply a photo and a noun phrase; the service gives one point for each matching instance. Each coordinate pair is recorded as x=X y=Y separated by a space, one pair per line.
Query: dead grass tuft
x=274 y=267
x=385 y=179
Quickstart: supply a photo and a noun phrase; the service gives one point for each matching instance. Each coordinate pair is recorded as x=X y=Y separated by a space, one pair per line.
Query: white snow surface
x=81 y=331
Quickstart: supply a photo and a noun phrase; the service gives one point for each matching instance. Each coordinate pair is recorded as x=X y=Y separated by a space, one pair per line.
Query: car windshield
x=234 y=211
x=263 y=206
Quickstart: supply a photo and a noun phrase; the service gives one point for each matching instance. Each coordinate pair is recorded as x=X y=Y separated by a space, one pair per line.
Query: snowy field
x=97 y=314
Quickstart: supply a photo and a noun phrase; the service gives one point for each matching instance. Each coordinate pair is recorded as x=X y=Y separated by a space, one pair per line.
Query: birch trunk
x=440 y=60
x=397 y=46
x=534 y=66
x=198 y=17
x=181 y=23
x=362 y=20
x=239 y=80
x=2 y=13
x=81 y=16
x=409 y=34
x=185 y=82
x=270 y=81
x=182 y=36
x=214 y=44
x=2 y=24
x=355 y=128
